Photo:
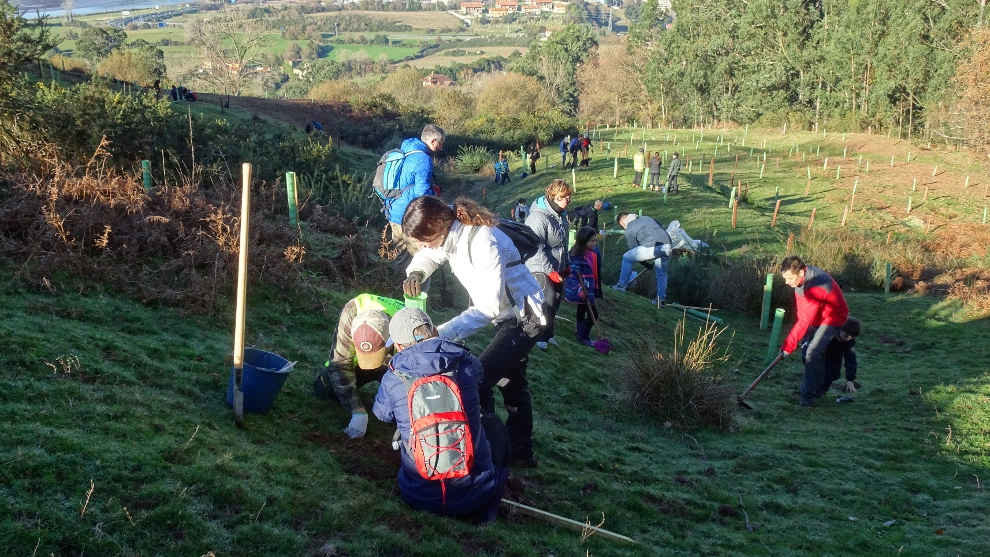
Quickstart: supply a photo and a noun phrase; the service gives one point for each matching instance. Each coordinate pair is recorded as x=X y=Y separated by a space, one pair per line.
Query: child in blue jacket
x=421 y=353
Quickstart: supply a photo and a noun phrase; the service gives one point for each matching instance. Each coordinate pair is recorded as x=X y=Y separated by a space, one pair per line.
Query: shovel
x=239 y=318
x=741 y=399
x=602 y=345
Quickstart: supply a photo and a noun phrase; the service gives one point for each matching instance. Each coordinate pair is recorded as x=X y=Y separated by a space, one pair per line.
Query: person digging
x=359 y=356
x=821 y=312
x=648 y=243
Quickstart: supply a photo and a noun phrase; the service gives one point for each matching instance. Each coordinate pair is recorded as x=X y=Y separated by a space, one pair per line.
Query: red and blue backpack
x=440 y=441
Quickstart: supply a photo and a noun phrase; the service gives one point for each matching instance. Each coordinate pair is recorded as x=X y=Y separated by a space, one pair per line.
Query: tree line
x=848 y=64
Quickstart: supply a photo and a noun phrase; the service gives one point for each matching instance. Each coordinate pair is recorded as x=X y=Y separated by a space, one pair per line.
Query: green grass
x=142 y=417
x=100 y=388
x=374 y=52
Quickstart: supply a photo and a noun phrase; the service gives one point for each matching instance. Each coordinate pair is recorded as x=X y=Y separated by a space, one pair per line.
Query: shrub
x=683 y=386
x=345 y=195
x=472 y=158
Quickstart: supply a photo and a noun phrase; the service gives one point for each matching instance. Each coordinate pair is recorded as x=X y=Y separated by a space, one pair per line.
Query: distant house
x=437 y=80
x=560 y=7
x=472 y=8
x=507 y=5
x=530 y=8
x=545 y=5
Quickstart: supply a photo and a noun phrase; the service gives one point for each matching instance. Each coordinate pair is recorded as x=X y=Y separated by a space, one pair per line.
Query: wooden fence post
x=811 y=221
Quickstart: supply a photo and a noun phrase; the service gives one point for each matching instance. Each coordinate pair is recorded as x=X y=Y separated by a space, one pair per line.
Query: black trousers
x=504 y=361
x=586 y=317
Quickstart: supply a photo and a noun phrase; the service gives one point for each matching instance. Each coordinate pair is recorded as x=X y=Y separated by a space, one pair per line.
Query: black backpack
x=522 y=236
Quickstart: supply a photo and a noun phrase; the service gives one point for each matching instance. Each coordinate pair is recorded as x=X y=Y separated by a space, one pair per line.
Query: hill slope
x=118 y=442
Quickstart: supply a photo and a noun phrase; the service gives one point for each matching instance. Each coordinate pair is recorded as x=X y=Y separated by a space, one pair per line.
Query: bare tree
x=230 y=49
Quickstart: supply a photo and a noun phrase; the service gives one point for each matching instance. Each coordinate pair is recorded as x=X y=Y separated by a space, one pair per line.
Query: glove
x=358 y=425
x=850 y=387
x=412 y=286
x=555 y=277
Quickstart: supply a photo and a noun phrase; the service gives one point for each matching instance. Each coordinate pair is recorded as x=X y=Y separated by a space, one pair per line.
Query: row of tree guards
x=734 y=189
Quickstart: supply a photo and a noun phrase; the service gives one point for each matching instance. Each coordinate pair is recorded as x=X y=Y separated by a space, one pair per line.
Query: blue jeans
x=815 y=342
x=660 y=254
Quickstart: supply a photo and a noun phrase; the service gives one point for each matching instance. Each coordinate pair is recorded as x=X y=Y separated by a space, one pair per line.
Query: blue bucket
x=262 y=378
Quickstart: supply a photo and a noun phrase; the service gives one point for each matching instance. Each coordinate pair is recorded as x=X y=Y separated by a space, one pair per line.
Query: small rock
x=853 y=518
x=889 y=523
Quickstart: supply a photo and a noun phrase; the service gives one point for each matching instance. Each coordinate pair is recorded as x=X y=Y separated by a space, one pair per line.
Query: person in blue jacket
x=575 y=148
x=422 y=353
x=415 y=179
x=564 y=145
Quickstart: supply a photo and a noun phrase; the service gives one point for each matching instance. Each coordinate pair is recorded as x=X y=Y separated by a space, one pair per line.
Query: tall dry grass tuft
x=683 y=386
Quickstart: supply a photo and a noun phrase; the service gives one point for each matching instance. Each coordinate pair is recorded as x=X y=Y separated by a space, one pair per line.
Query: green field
x=374 y=52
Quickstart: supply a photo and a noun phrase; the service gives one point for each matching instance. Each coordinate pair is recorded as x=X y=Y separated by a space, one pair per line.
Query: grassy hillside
x=99 y=389
x=118 y=441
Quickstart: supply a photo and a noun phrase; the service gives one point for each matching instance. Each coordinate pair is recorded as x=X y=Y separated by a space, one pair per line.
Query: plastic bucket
x=262 y=378
x=417 y=302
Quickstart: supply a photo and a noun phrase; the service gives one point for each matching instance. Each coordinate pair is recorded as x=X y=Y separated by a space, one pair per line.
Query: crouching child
x=452 y=463
x=840 y=350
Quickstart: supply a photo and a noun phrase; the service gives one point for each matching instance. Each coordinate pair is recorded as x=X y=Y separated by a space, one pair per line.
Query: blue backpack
x=579 y=286
x=386 y=182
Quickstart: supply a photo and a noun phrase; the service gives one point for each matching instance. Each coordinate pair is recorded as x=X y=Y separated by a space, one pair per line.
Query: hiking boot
x=541 y=345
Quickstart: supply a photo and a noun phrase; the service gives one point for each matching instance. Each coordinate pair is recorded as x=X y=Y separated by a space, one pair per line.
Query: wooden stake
x=711 y=173
x=845 y=214
x=807 y=187
x=925 y=197
x=889 y=233
x=735 y=212
x=811 y=221
x=790 y=242
x=776 y=209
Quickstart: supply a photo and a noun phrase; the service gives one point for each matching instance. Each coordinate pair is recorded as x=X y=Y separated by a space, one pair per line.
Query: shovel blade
x=239 y=407
x=743 y=403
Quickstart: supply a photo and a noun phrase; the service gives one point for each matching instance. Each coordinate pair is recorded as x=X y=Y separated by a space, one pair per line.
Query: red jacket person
x=821 y=311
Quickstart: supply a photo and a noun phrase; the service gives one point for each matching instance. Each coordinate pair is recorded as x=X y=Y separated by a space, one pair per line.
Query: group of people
x=578 y=144
x=655 y=164
x=180 y=93
x=455 y=451
x=502 y=173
